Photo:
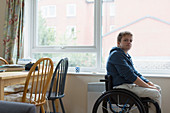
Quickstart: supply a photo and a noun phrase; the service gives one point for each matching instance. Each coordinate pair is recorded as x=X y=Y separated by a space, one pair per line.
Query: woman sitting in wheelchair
x=120 y=67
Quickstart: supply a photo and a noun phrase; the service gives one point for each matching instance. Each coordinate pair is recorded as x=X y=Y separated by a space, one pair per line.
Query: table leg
x=1 y=90
x=56 y=105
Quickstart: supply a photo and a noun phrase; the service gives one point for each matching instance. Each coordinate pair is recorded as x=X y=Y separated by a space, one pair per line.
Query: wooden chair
x=39 y=81
x=56 y=90
x=3 y=60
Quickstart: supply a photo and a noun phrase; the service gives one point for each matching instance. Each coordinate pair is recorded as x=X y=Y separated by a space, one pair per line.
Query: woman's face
x=125 y=43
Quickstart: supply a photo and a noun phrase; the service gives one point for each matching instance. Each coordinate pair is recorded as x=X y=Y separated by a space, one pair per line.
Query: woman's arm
x=141 y=83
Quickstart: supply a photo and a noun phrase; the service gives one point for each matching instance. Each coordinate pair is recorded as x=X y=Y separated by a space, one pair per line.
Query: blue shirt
x=120 y=67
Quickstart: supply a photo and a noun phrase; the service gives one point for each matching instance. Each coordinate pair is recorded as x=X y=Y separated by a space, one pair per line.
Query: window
x=112 y=27
x=149 y=26
x=44 y=11
x=71 y=9
x=51 y=11
x=48 y=11
x=71 y=32
x=63 y=36
x=112 y=9
x=87 y=38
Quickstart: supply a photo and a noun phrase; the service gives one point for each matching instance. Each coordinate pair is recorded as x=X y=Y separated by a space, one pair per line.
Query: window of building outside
x=48 y=11
x=112 y=9
x=87 y=38
x=71 y=9
x=112 y=27
x=71 y=32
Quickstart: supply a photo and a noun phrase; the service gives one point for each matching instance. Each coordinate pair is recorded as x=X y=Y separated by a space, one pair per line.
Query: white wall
x=2 y=21
x=75 y=99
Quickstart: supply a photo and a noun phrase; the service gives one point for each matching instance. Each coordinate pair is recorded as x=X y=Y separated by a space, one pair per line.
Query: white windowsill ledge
x=102 y=74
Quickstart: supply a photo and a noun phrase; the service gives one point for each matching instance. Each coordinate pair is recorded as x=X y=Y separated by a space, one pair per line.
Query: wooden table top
x=15 y=74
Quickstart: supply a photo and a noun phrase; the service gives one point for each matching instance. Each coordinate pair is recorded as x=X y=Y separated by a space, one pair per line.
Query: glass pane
x=73 y=21
x=108 y=25
x=75 y=59
x=148 y=21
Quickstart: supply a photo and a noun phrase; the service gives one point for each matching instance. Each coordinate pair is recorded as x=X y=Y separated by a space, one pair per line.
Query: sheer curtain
x=13 y=30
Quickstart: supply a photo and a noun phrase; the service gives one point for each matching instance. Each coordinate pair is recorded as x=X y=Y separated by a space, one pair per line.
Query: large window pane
x=149 y=21
x=75 y=59
x=73 y=21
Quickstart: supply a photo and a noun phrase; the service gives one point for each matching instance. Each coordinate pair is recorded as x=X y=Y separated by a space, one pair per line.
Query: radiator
x=95 y=89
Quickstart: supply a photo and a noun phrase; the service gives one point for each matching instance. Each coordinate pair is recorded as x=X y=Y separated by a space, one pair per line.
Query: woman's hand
x=150 y=83
x=141 y=83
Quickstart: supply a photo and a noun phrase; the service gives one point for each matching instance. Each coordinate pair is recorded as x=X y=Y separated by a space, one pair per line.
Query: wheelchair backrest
x=108 y=82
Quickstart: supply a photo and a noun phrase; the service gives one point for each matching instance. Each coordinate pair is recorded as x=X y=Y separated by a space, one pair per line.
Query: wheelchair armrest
x=103 y=80
x=108 y=82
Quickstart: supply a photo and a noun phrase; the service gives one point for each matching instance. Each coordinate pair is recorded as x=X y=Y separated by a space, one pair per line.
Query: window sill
x=86 y=73
x=102 y=74
x=157 y=75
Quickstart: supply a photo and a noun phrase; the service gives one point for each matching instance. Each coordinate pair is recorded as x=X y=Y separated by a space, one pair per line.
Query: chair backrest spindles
x=40 y=80
x=58 y=79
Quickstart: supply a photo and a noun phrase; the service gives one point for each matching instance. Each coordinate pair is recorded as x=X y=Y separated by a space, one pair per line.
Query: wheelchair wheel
x=118 y=101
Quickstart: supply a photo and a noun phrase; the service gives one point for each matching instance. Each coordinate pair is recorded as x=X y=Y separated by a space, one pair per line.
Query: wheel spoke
x=118 y=101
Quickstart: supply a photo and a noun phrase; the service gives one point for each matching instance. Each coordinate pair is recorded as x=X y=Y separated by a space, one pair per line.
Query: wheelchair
x=121 y=101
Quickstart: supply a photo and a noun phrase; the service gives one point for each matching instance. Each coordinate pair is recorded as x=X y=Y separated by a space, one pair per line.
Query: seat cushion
x=17 y=97
x=15 y=88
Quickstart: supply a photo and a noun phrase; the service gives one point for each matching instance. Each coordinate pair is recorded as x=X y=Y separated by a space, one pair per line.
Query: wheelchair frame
x=142 y=103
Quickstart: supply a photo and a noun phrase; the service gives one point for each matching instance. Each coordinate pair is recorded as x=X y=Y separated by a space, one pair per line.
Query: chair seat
x=18 y=97
x=15 y=88
x=53 y=96
x=39 y=81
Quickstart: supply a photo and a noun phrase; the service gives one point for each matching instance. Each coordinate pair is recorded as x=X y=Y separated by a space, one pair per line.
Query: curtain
x=13 y=30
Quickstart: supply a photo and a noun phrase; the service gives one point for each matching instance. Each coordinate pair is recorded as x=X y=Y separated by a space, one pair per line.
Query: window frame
x=30 y=43
x=96 y=48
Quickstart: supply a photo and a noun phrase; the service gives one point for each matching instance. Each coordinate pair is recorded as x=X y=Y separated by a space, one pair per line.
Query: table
x=11 y=78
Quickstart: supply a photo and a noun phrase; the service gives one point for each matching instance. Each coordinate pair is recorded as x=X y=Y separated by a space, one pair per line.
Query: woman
x=120 y=67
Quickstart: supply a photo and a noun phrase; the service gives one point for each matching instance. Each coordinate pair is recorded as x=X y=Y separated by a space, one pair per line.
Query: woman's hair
x=122 y=34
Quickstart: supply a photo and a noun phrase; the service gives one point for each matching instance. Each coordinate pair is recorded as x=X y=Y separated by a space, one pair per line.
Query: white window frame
x=96 y=48
x=71 y=7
